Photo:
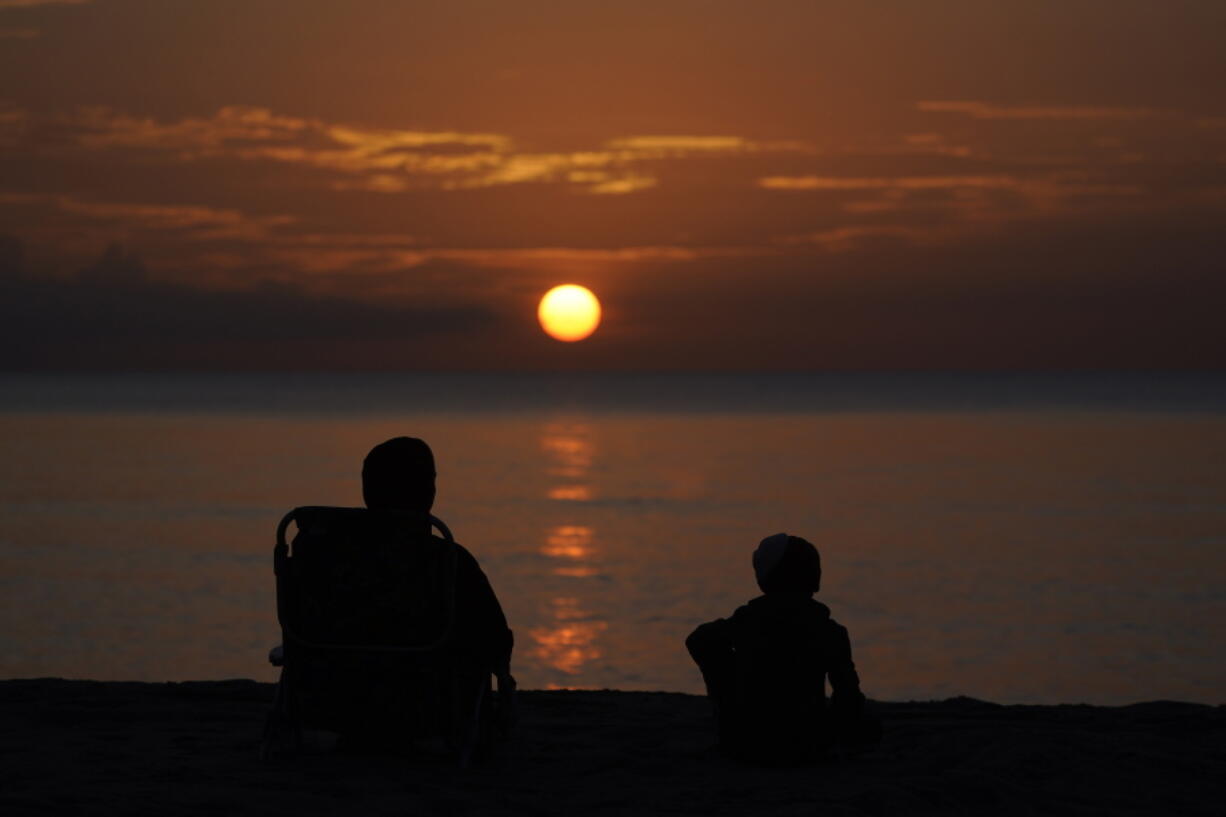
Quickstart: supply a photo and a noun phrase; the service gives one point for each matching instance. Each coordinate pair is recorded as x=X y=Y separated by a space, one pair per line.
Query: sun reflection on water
x=571 y=642
x=571 y=493
x=568 y=542
x=568 y=641
x=569 y=452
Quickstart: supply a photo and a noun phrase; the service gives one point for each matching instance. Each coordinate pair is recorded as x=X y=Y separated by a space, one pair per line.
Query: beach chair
x=366 y=603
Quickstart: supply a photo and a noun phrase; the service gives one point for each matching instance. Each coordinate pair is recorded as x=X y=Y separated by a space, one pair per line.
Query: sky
x=771 y=185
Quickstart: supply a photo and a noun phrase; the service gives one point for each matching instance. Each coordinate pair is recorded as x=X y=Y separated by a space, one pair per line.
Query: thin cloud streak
x=846 y=239
x=202 y=222
x=18 y=4
x=1054 y=185
x=679 y=144
x=13 y=123
x=623 y=185
x=985 y=110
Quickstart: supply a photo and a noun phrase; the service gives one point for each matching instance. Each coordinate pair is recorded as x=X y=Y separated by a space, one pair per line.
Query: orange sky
x=782 y=185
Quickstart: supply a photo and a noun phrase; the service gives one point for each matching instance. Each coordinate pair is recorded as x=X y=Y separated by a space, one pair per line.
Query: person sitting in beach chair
x=765 y=668
x=390 y=634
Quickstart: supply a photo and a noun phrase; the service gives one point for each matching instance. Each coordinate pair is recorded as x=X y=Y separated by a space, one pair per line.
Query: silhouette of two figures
x=350 y=581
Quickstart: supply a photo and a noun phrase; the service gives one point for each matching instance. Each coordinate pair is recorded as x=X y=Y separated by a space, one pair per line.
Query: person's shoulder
x=465 y=562
x=833 y=628
x=823 y=611
x=462 y=552
x=453 y=543
x=749 y=609
x=708 y=632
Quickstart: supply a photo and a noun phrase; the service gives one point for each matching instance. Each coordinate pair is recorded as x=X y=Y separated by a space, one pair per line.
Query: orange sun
x=569 y=312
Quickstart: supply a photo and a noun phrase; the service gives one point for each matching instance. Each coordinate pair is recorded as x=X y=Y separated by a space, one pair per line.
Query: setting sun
x=569 y=312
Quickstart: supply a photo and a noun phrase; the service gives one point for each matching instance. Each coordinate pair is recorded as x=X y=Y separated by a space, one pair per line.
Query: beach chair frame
x=470 y=728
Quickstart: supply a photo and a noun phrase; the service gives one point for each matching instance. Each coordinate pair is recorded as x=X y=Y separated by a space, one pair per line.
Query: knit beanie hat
x=787 y=563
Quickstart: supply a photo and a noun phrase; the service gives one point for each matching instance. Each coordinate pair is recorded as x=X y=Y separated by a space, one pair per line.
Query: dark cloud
x=113 y=314
x=1134 y=294
x=1139 y=293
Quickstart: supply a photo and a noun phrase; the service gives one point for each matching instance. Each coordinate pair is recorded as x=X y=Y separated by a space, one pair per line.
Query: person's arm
x=480 y=614
x=710 y=643
x=711 y=648
x=845 y=692
x=857 y=728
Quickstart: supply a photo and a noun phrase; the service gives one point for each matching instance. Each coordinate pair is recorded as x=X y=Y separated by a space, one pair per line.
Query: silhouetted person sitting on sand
x=399 y=475
x=766 y=666
x=391 y=633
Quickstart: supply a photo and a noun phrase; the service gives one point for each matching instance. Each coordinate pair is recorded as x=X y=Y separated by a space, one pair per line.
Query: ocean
x=1018 y=538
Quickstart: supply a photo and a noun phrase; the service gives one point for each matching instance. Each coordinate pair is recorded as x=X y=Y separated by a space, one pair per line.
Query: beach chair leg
x=471 y=743
x=278 y=722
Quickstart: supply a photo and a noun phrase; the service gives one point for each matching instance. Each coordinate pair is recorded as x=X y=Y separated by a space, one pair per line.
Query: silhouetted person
x=765 y=667
x=399 y=475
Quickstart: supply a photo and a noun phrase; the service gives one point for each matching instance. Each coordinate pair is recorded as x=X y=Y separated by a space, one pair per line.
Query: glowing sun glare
x=569 y=312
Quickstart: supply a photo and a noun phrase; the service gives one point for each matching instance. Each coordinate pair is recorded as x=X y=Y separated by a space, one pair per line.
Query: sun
x=569 y=312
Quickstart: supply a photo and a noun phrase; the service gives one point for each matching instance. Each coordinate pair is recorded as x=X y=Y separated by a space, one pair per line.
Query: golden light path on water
x=570 y=640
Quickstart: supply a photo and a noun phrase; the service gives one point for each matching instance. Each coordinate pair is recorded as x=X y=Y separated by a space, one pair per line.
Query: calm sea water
x=1021 y=539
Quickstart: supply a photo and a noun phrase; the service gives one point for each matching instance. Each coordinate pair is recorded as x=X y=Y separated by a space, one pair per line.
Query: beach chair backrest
x=367 y=605
x=361 y=580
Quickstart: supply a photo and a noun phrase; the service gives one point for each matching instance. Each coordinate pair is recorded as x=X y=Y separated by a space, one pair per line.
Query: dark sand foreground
x=82 y=747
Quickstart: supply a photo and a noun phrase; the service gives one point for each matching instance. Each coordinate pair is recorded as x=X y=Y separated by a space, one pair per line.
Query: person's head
x=787 y=564
x=399 y=475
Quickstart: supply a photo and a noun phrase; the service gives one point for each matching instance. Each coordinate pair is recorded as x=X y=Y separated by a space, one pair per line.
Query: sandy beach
x=85 y=747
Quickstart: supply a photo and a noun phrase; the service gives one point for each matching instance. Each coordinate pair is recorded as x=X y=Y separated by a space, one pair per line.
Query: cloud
x=985 y=110
x=1057 y=293
x=679 y=144
x=619 y=160
x=658 y=147
x=261 y=195
x=384 y=160
x=1039 y=186
x=102 y=127
x=114 y=314
x=254 y=133
x=377 y=183
x=194 y=221
x=320 y=255
x=205 y=222
x=13 y=123
x=17 y=4
x=535 y=167
x=374 y=142
x=393 y=161
x=625 y=184
x=347 y=260
x=845 y=239
x=899 y=183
